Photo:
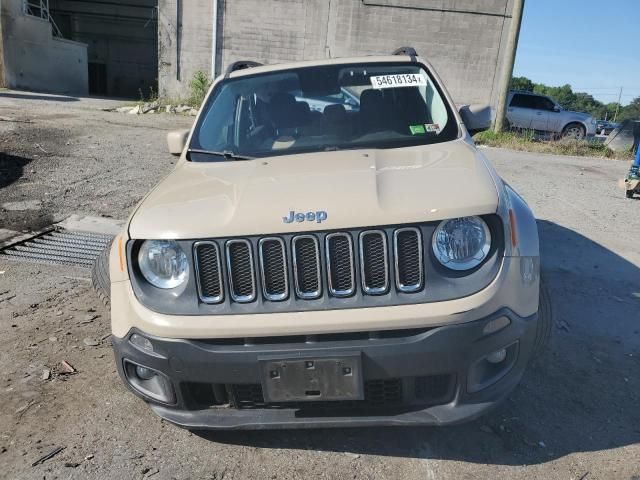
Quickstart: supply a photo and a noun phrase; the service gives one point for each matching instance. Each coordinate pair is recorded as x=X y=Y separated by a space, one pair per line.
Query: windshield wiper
x=227 y=154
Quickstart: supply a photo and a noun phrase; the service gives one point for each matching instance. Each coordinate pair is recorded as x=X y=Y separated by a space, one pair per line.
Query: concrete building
x=464 y=39
x=80 y=46
x=121 y=36
x=34 y=57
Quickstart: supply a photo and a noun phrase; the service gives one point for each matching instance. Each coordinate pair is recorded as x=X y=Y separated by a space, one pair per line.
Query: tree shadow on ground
x=11 y=168
x=581 y=395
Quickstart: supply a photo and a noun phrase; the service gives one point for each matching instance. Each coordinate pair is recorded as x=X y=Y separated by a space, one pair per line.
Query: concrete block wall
x=185 y=32
x=35 y=60
x=463 y=39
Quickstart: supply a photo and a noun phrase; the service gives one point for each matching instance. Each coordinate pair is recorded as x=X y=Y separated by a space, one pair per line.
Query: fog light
x=497 y=357
x=151 y=383
x=144 y=373
x=141 y=342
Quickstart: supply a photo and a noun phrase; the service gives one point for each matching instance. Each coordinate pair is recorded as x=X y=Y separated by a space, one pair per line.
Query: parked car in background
x=604 y=127
x=538 y=112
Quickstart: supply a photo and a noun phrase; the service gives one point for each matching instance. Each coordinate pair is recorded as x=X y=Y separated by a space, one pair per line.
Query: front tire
x=574 y=131
x=629 y=193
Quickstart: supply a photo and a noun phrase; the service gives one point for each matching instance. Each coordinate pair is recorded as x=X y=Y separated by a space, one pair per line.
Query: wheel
x=545 y=320
x=629 y=193
x=100 y=276
x=574 y=131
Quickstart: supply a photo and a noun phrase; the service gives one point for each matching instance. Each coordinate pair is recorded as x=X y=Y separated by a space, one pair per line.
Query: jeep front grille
x=273 y=269
x=306 y=266
x=407 y=254
x=374 y=262
x=293 y=268
x=208 y=272
x=340 y=260
x=242 y=279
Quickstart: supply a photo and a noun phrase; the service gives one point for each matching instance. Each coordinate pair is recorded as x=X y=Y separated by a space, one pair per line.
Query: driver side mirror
x=176 y=141
x=477 y=118
x=556 y=108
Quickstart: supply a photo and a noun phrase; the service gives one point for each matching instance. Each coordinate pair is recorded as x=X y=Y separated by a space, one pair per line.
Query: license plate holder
x=312 y=379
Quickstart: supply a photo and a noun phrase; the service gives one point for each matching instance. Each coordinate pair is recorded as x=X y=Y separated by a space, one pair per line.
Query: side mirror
x=556 y=108
x=176 y=141
x=477 y=118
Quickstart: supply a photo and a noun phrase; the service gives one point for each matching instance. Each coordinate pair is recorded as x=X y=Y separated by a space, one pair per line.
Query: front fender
x=521 y=229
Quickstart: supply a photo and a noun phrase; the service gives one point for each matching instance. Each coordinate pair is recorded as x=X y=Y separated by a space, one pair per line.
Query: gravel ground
x=575 y=415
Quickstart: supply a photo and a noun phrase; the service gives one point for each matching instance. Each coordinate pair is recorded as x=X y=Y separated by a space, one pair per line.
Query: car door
x=554 y=122
x=520 y=110
x=542 y=114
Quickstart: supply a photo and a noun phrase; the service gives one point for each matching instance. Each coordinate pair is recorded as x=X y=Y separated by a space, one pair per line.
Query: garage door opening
x=122 y=40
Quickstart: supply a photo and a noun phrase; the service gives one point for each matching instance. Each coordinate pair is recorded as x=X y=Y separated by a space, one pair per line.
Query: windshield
x=379 y=105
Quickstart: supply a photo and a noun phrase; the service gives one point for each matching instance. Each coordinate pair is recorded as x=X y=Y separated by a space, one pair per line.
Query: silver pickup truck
x=539 y=112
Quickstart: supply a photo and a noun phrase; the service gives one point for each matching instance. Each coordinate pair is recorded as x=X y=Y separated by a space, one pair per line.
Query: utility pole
x=507 y=67
x=617 y=105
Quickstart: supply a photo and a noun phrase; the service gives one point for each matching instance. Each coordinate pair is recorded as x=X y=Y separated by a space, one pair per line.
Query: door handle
x=538 y=113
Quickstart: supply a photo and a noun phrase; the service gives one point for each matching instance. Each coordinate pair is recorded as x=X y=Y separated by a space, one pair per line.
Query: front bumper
x=438 y=372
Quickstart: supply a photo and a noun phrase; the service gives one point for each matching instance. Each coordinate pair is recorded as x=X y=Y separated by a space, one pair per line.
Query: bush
x=198 y=86
x=527 y=141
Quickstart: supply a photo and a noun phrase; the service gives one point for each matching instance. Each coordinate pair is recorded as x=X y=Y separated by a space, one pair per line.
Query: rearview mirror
x=476 y=118
x=176 y=141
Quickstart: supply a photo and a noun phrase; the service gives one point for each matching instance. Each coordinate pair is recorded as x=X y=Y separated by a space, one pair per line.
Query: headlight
x=461 y=243
x=163 y=263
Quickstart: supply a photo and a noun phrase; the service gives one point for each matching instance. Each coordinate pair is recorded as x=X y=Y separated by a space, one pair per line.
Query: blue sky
x=588 y=44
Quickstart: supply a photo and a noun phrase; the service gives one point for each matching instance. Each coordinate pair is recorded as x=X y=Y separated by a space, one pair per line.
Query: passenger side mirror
x=176 y=141
x=476 y=118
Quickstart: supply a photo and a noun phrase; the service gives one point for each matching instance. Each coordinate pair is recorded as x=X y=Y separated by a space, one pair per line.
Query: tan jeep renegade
x=331 y=249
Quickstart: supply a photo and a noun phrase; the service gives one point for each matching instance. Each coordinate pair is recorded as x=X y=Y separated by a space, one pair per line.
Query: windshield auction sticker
x=397 y=80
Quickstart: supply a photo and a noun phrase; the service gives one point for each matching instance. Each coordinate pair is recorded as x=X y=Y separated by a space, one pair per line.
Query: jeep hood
x=356 y=188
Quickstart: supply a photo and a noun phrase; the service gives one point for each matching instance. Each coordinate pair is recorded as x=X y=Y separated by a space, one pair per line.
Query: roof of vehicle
x=329 y=61
x=528 y=92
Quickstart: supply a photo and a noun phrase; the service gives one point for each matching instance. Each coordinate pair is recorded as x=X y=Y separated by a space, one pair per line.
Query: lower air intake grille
x=209 y=272
x=378 y=394
x=241 y=271
x=306 y=266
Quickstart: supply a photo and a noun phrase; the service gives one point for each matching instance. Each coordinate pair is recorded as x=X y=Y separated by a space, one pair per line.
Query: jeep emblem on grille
x=319 y=217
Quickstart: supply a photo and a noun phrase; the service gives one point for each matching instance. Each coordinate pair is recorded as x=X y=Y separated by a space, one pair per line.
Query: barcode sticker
x=398 y=80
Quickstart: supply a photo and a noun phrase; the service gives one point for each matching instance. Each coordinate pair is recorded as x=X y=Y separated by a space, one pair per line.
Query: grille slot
x=374 y=263
x=407 y=253
x=242 y=279
x=208 y=272
x=340 y=269
x=306 y=266
x=273 y=269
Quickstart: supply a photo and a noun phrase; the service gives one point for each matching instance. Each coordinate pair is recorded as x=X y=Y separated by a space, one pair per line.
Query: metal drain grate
x=59 y=247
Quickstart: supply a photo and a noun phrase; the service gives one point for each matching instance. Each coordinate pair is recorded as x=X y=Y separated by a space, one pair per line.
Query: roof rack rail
x=406 y=51
x=241 y=65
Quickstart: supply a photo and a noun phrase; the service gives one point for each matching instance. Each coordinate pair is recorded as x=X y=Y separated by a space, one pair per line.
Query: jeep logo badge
x=319 y=217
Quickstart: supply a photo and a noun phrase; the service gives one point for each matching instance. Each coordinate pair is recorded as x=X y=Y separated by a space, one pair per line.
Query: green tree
x=631 y=111
x=521 y=83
